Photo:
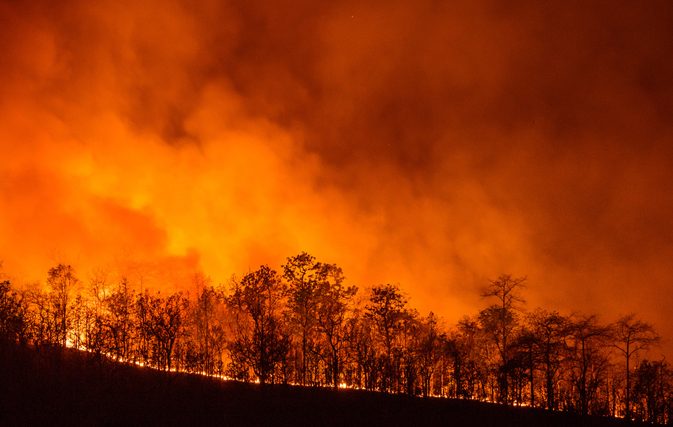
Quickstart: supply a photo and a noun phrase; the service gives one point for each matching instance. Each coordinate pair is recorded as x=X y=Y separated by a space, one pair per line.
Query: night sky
x=432 y=143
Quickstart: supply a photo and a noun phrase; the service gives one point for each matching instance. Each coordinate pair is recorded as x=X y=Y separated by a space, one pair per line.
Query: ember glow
x=424 y=143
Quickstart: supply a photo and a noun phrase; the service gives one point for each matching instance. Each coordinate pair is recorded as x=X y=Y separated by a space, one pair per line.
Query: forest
x=304 y=325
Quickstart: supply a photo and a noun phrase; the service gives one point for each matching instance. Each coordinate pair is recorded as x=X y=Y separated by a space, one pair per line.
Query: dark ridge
x=58 y=387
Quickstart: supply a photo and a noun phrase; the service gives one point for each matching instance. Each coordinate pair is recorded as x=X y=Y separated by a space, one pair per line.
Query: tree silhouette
x=524 y=359
x=119 y=321
x=13 y=322
x=363 y=350
x=630 y=335
x=333 y=305
x=652 y=390
x=429 y=350
x=500 y=319
x=463 y=349
x=551 y=331
x=303 y=275
x=209 y=329
x=407 y=352
x=371 y=340
x=41 y=317
x=260 y=341
x=588 y=357
x=387 y=310
x=61 y=281
x=164 y=322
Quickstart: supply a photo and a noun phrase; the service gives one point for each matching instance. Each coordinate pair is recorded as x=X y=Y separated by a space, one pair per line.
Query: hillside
x=55 y=387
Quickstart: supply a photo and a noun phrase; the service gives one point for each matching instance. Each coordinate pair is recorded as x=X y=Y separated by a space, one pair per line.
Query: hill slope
x=56 y=387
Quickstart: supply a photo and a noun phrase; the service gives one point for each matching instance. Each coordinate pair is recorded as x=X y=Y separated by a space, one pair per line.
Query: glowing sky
x=431 y=143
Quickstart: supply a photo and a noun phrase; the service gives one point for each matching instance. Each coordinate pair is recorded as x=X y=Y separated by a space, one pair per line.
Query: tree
x=303 y=275
x=119 y=321
x=429 y=349
x=362 y=349
x=12 y=314
x=333 y=305
x=260 y=339
x=463 y=352
x=551 y=331
x=41 y=317
x=589 y=361
x=500 y=319
x=81 y=321
x=89 y=314
x=209 y=330
x=98 y=287
x=652 y=391
x=524 y=360
x=142 y=332
x=164 y=322
x=406 y=355
x=630 y=335
x=387 y=309
x=61 y=281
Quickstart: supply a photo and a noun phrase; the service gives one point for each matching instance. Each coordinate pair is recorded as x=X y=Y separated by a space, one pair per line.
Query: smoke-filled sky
x=436 y=144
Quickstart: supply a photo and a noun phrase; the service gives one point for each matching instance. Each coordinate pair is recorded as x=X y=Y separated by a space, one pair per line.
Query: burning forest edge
x=306 y=327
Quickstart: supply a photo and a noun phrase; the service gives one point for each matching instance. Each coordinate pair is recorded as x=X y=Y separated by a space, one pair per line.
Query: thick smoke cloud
x=430 y=143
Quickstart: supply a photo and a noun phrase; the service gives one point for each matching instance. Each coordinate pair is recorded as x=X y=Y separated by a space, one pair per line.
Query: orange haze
x=427 y=143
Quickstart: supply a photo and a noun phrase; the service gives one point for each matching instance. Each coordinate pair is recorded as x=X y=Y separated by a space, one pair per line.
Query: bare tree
x=119 y=321
x=99 y=286
x=588 y=357
x=524 y=361
x=333 y=307
x=630 y=335
x=551 y=332
x=208 y=327
x=362 y=349
x=500 y=319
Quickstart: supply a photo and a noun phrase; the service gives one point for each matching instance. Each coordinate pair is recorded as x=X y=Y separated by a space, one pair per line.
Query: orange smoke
x=429 y=144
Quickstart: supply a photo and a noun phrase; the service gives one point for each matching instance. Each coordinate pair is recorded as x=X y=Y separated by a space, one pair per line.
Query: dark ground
x=70 y=388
